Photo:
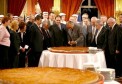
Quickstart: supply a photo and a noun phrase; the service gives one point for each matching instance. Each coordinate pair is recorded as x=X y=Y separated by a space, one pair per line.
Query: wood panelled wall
x=3 y=7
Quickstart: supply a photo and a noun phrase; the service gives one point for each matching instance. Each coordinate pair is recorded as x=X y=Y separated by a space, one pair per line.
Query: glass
x=93 y=3
x=90 y=11
x=109 y=74
x=85 y=3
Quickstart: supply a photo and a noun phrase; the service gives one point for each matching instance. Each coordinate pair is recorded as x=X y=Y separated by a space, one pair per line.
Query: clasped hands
x=72 y=43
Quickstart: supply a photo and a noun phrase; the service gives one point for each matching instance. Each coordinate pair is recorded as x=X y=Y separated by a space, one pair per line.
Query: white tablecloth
x=112 y=82
x=70 y=60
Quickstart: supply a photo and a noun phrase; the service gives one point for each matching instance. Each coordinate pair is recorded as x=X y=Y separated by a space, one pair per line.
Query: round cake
x=48 y=75
x=69 y=49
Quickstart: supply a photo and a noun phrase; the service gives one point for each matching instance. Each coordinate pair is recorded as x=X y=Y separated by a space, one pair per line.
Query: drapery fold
x=46 y=5
x=16 y=6
x=34 y=2
x=106 y=7
x=70 y=7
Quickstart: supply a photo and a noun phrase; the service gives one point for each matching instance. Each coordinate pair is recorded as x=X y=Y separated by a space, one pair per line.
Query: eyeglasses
x=58 y=20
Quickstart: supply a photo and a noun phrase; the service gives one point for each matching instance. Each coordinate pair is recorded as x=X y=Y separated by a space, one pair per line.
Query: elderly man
x=45 y=16
x=46 y=34
x=114 y=46
x=101 y=36
x=92 y=31
x=75 y=35
x=63 y=15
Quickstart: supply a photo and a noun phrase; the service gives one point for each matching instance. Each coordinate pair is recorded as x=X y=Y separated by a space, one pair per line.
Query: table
x=71 y=60
x=112 y=82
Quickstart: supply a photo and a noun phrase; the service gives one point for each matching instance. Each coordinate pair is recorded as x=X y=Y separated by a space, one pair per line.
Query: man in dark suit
x=102 y=34
x=28 y=26
x=58 y=32
x=46 y=34
x=35 y=42
x=103 y=18
x=114 y=45
x=51 y=19
x=92 y=31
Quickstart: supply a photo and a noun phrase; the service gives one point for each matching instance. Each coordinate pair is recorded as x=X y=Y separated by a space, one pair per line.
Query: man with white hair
x=75 y=36
x=45 y=16
x=92 y=31
x=114 y=46
x=75 y=18
x=63 y=18
x=102 y=34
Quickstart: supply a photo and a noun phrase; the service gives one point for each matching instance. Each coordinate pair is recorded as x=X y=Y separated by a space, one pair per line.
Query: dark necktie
x=47 y=33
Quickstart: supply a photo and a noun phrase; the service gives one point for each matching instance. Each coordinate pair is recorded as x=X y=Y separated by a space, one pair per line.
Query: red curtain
x=46 y=5
x=70 y=7
x=16 y=6
x=106 y=7
x=34 y=2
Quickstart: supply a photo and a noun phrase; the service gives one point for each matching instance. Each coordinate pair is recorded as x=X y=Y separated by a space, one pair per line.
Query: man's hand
x=117 y=52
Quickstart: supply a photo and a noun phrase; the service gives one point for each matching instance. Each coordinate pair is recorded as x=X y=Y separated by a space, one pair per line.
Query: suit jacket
x=22 y=41
x=114 y=39
x=36 y=38
x=91 y=38
x=89 y=35
x=15 y=42
x=47 y=39
x=102 y=38
x=76 y=34
x=59 y=37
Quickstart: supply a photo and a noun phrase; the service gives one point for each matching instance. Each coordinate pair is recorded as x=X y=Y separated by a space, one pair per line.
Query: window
x=89 y=7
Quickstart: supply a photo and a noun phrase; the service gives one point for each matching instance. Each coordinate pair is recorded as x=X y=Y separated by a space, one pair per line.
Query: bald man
x=114 y=46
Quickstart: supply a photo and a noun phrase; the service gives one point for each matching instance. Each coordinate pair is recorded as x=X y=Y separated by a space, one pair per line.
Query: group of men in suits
x=42 y=33
x=101 y=33
x=104 y=34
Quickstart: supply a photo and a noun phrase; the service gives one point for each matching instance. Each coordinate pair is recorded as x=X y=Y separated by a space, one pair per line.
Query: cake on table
x=49 y=75
x=69 y=49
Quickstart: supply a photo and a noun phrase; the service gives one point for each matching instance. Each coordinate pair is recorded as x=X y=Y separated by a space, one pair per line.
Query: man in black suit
x=46 y=34
x=102 y=34
x=35 y=42
x=58 y=32
x=114 y=45
x=103 y=18
x=28 y=26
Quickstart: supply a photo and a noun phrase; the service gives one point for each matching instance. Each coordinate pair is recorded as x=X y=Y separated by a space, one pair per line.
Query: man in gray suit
x=75 y=36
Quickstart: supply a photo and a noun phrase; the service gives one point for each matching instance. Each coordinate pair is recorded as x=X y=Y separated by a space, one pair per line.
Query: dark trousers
x=115 y=62
x=13 y=58
x=33 y=58
x=4 y=57
x=22 y=59
x=119 y=65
